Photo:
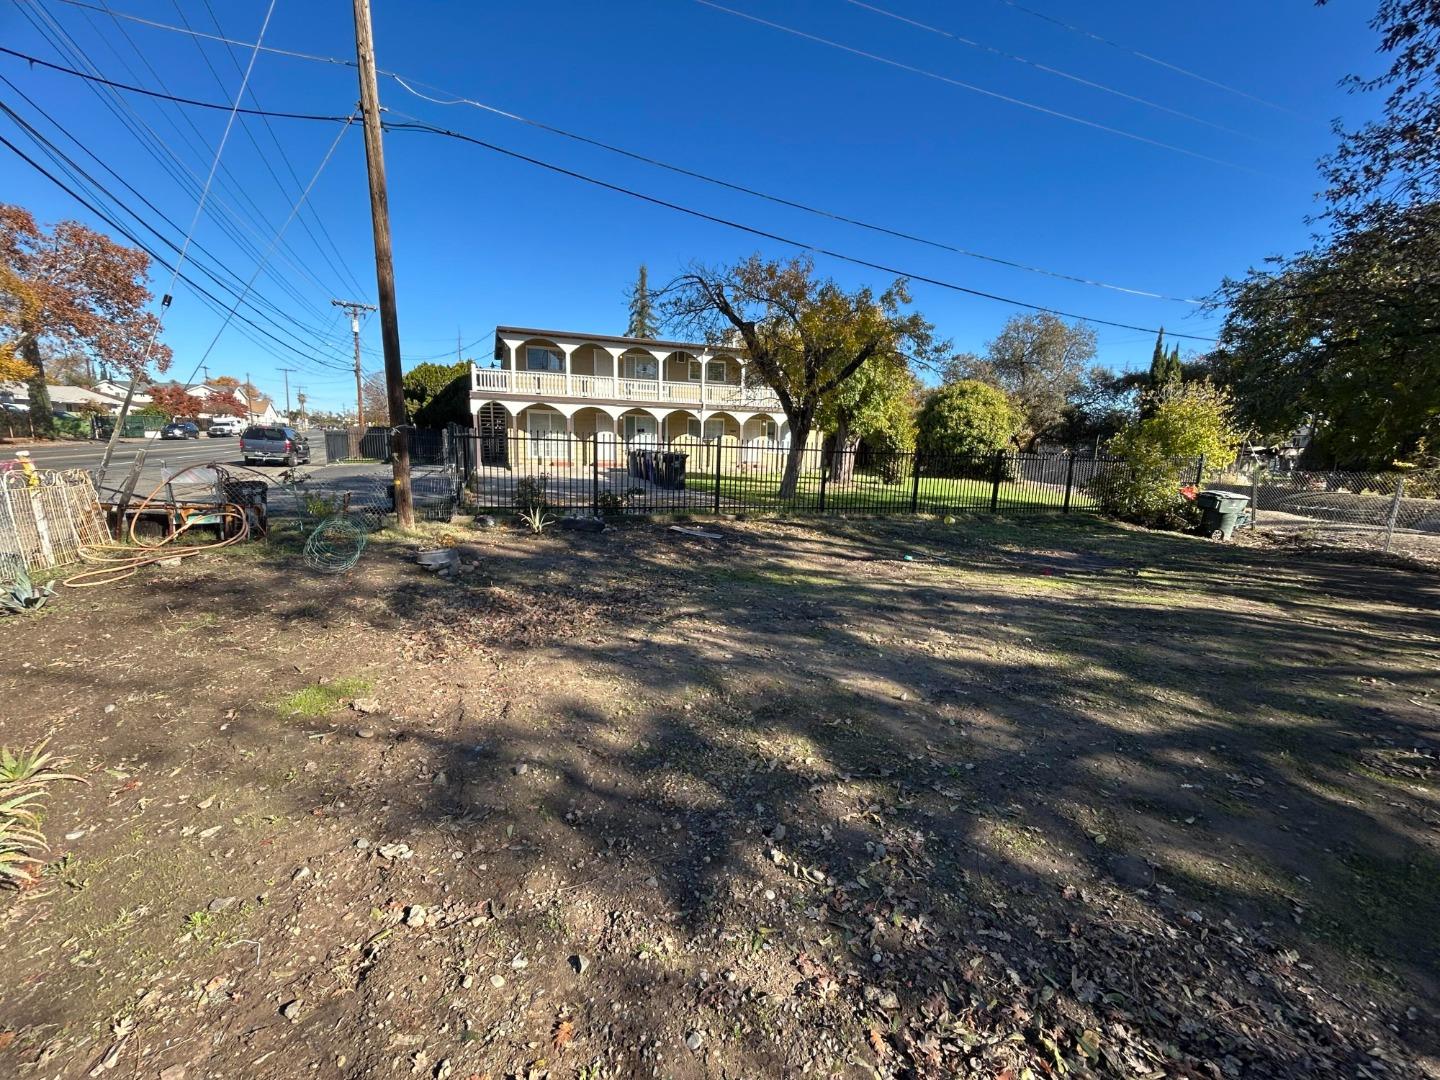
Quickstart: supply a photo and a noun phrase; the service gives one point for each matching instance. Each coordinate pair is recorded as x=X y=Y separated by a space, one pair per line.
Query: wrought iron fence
x=606 y=475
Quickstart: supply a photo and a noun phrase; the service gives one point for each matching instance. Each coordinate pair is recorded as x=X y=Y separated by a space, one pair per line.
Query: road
x=164 y=458
x=365 y=483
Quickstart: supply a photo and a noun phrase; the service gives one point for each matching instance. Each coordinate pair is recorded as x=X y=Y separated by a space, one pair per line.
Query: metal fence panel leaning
x=607 y=475
x=45 y=520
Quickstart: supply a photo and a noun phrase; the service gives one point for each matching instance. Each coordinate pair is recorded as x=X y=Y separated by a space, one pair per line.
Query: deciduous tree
x=224 y=403
x=77 y=290
x=175 y=401
x=806 y=337
x=1039 y=361
x=962 y=424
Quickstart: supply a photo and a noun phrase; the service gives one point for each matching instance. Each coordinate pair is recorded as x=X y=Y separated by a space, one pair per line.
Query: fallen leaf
x=564 y=1032
x=878 y=1043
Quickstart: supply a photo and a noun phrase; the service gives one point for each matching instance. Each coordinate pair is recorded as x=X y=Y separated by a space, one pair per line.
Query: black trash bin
x=675 y=469
x=1220 y=513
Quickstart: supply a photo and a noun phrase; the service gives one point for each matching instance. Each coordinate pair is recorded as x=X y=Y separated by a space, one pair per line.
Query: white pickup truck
x=225 y=427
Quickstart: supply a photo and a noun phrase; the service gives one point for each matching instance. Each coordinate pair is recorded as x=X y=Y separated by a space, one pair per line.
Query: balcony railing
x=608 y=388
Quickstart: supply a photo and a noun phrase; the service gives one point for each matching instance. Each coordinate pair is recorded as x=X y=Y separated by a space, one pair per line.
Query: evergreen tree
x=642 y=314
x=1174 y=373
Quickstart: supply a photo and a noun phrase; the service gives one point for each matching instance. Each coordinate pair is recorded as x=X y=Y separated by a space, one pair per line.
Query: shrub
x=1159 y=453
x=962 y=425
x=530 y=492
x=25 y=777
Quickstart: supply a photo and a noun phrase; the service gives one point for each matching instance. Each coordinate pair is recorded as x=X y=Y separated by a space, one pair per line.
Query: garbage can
x=675 y=469
x=1220 y=513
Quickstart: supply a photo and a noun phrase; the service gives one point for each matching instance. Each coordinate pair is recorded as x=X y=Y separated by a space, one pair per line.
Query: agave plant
x=538 y=518
x=24 y=777
x=23 y=595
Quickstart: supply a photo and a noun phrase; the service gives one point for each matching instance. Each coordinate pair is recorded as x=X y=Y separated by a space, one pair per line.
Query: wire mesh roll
x=334 y=545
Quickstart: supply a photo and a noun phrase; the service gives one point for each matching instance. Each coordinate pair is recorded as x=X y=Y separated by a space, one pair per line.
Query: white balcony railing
x=608 y=388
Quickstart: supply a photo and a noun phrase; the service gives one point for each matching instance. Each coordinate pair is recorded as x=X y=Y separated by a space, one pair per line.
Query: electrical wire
x=1038 y=66
x=1021 y=102
x=77 y=172
x=155 y=145
x=765 y=234
x=409 y=85
x=129 y=88
x=279 y=235
x=1138 y=54
x=780 y=200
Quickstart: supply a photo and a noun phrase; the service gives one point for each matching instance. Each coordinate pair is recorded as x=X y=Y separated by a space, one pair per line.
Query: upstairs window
x=716 y=371
x=542 y=359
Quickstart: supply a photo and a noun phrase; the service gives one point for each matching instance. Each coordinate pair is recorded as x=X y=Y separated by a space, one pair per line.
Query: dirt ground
x=849 y=799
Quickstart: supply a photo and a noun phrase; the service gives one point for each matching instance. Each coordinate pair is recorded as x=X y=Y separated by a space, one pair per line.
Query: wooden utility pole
x=353 y=308
x=384 y=264
x=286 y=372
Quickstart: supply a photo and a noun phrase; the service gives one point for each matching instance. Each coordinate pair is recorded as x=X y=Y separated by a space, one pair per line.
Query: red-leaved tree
x=172 y=399
x=225 y=403
x=82 y=291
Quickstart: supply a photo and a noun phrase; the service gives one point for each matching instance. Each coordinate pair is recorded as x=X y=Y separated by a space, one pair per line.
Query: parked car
x=267 y=444
x=225 y=427
x=180 y=429
x=14 y=406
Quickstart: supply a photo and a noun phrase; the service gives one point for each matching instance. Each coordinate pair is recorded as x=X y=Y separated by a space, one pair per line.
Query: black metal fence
x=427 y=446
x=606 y=475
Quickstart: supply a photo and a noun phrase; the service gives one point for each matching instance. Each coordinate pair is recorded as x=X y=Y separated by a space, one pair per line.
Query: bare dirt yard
x=841 y=799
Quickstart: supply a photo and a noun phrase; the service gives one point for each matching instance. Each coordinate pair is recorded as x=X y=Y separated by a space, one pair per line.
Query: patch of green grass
x=319 y=699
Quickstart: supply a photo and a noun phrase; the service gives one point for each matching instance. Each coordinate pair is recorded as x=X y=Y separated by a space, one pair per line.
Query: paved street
x=366 y=483
x=169 y=456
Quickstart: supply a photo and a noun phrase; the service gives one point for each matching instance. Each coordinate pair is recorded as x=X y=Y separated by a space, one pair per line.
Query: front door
x=639 y=427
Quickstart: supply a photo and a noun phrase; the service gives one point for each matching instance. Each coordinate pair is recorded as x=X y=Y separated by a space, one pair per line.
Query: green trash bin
x=1221 y=512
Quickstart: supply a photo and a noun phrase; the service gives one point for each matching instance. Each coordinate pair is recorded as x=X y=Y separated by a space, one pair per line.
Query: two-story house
x=548 y=383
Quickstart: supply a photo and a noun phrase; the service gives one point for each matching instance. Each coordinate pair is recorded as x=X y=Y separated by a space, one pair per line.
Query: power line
x=696 y=175
x=1038 y=66
x=109 y=219
x=780 y=200
x=279 y=235
x=155 y=145
x=1141 y=55
x=656 y=201
x=1022 y=103
x=345 y=270
x=129 y=88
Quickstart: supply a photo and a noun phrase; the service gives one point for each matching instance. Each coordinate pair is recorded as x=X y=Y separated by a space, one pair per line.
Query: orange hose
x=118 y=567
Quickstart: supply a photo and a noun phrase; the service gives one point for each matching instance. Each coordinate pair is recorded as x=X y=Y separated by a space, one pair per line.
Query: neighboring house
x=548 y=383
x=262 y=412
x=116 y=389
x=63 y=398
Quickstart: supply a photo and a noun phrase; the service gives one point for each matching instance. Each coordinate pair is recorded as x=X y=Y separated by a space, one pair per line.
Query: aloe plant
x=24 y=777
x=538 y=518
x=23 y=595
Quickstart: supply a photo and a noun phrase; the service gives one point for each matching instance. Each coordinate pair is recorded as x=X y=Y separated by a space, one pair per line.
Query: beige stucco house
x=548 y=384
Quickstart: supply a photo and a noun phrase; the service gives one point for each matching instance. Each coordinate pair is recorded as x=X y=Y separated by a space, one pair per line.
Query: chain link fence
x=1384 y=511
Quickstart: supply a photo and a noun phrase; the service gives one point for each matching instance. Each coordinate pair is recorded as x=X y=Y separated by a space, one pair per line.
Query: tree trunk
x=42 y=422
x=799 y=436
x=840 y=452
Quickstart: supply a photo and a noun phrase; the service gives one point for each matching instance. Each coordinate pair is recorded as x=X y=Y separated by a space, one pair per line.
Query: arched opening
x=639 y=426
x=492 y=428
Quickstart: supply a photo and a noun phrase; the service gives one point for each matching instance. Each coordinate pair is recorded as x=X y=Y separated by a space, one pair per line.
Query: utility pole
x=384 y=264
x=286 y=372
x=353 y=308
x=249 y=399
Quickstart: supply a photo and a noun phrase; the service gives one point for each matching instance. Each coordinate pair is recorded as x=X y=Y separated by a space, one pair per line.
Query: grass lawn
x=839 y=799
x=866 y=493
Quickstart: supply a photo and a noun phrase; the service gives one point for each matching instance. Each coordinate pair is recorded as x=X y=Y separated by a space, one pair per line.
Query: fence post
x=718 y=457
x=1200 y=470
x=995 y=480
x=1069 y=480
x=915 y=486
x=1394 y=512
x=595 y=476
x=824 y=478
x=1254 y=496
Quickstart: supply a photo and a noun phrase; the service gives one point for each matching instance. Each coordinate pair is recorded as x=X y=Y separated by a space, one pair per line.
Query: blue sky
x=481 y=239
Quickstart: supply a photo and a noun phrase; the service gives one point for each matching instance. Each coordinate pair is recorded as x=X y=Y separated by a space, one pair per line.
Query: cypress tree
x=642 y=314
